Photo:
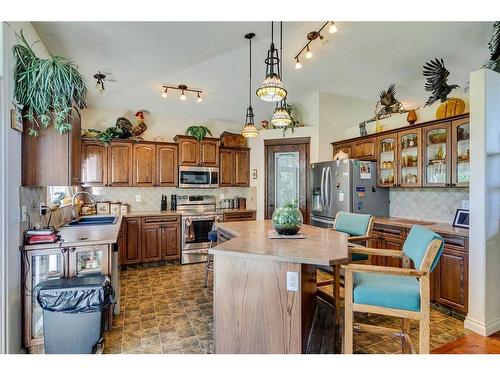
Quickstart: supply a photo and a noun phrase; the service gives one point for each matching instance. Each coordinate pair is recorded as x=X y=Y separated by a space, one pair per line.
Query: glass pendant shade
x=281 y=118
x=249 y=129
x=272 y=89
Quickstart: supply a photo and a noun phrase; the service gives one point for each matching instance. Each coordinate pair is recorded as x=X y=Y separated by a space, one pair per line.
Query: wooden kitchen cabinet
x=94 y=163
x=52 y=159
x=365 y=149
x=170 y=240
x=144 y=164
x=234 y=167
x=120 y=164
x=166 y=165
x=460 y=152
x=203 y=153
x=151 y=246
x=409 y=158
x=436 y=155
x=346 y=147
x=209 y=152
x=238 y=216
x=131 y=252
x=387 y=160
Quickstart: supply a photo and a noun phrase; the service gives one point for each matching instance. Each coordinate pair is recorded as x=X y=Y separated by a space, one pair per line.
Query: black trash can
x=74 y=313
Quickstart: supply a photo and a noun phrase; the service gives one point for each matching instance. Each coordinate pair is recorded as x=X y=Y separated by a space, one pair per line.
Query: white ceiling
x=361 y=59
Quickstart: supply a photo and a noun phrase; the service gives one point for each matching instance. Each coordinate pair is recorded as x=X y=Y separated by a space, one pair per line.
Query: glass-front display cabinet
x=437 y=153
x=409 y=158
x=387 y=160
x=460 y=162
x=55 y=263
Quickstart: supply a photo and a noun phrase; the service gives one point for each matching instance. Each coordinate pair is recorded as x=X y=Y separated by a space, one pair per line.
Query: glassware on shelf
x=89 y=262
x=462 y=154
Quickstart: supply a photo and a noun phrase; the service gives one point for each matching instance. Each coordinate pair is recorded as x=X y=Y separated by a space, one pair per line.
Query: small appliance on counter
x=163 y=206
x=173 y=202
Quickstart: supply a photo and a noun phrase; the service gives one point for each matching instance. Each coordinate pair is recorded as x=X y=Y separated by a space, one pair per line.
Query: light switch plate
x=292 y=281
x=138 y=198
x=24 y=217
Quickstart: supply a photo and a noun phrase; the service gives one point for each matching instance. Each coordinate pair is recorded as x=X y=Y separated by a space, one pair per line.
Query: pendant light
x=249 y=129
x=281 y=118
x=272 y=89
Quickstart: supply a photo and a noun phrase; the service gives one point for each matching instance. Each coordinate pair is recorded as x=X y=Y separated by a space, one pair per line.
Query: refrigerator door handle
x=322 y=189
x=328 y=188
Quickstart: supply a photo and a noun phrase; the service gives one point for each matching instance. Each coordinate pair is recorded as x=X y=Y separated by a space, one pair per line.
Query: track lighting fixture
x=333 y=28
x=298 y=65
x=183 y=89
x=309 y=54
x=313 y=35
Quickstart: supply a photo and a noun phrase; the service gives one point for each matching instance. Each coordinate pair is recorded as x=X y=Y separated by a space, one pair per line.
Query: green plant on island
x=45 y=89
x=109 y=134
x=287 y=219
x=198 y=132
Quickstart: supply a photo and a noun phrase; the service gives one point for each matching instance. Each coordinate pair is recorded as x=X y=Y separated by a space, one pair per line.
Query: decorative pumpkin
x=451 y=107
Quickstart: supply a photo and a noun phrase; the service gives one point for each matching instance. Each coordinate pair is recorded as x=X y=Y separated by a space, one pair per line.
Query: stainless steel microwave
x=198 y=177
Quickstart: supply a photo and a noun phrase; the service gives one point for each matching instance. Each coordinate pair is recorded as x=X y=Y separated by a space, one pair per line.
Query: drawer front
x=239 y=216
x=223 y=236
x=456 y=243
x=384 y=230
x=160 y=219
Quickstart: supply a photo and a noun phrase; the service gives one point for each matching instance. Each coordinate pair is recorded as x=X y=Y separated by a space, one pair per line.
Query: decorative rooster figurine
x=437 y=75
x=141 y=125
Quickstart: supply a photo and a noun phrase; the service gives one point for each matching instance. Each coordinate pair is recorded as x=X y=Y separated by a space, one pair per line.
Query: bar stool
x=212 y=237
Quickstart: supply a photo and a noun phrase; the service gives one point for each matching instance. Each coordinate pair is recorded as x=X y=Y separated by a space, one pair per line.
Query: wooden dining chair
x=358 y=227
x=393 y=291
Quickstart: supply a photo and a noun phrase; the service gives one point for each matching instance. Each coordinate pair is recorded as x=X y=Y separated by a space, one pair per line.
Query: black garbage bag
x=76 y=295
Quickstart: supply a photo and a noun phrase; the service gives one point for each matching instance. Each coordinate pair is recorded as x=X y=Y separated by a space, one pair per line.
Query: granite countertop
x=85 y=235
x=441 y=228
x=177 y=213
x=320 y=247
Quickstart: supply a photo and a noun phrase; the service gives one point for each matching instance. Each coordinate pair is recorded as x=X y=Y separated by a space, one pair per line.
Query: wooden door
x=344 y=147
x=209 y=153
x=436 y=155
x=242 y=168
x=452 y=278
x=409 y=158
x=75 y=148
x=132 y=249
x=365 y=149
x=460 y=152
x=227 y=171
x=387 y=160
x=120 y=164
x=151 y=243
x=170 y=243
x=144 y=164
x=189 y=151
x=94 y=163
x=166 y=165
x=294 y=149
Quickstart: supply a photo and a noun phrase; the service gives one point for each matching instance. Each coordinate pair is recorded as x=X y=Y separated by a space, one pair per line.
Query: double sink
x=92 y=220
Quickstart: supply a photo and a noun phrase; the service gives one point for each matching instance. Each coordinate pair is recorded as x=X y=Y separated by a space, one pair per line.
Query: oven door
x=195 y=241
x=198 y=177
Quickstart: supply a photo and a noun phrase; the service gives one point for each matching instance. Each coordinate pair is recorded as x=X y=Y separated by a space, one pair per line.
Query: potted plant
x=45 y=89
x=287 y=219
x=198 y=132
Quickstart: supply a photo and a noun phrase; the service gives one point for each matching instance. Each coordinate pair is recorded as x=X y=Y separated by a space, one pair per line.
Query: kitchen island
x=265 y=289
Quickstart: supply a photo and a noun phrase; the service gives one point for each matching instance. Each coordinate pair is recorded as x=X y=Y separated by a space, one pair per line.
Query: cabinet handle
x=64 y=249
x=72 y=250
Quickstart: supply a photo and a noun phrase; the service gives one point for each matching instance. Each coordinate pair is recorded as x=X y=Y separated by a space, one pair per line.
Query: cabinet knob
x=72 y=249
x=63 y=250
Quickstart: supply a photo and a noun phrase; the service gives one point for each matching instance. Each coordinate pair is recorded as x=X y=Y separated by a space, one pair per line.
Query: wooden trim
x=403 y=128
x=354 y=267
x=119 y=140
x=287 y=141
x=373 y=251
x=415 y=315
x=348 y=313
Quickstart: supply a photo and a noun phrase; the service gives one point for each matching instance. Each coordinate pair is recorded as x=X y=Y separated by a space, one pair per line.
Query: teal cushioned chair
x=400 y=292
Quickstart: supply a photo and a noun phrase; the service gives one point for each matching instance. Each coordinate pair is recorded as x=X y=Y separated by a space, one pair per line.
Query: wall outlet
x=138 y=198
x=24 y=217
x=292 y=281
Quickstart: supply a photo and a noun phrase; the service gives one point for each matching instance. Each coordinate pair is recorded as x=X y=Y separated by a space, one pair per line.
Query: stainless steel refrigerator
x=345 y=185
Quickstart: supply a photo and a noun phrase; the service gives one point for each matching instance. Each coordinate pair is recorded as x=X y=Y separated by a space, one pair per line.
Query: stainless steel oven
x=198 y=177
x=195 y=243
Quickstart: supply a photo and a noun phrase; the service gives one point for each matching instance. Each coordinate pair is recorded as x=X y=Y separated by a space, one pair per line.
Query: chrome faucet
x=73 y=212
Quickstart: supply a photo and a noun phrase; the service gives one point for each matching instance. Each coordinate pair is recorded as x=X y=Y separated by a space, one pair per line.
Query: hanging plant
x=45 y=89
x=294 y=122
x=198 y=132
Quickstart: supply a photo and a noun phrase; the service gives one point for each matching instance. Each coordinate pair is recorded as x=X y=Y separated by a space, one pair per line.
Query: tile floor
x=165 y=309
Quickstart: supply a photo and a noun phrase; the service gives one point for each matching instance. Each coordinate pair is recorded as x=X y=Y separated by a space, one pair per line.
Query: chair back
x=423 y=247
x=353 y=224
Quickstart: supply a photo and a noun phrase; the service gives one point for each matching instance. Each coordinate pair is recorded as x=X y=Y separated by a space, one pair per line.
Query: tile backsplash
x=436 y=204
x=151 y=196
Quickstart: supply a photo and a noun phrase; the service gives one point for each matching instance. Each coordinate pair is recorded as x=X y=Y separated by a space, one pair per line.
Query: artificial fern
x=198 y=132
x=45 y=89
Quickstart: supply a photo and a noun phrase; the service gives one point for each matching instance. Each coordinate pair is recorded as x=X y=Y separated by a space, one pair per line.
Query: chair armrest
x=359 y=238
x=352 y=267
x=373 y=251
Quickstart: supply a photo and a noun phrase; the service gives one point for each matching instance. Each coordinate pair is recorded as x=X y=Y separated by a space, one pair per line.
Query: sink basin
x=93 y=220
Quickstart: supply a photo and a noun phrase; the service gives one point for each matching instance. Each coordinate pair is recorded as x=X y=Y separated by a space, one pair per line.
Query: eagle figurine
x=390 y=105
x=436 y=77
x=494 y=46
